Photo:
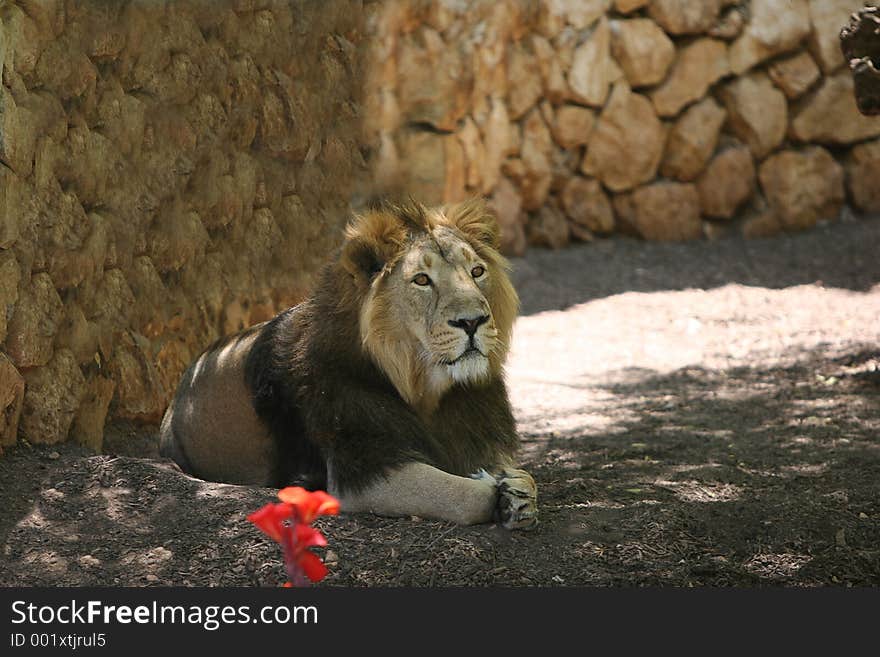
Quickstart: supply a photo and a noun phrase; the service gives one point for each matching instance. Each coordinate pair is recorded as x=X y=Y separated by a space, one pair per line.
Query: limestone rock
x=16 y=198
x=757 y=112
x=456 y=173
x=506 y=204
x=587 y=205
x=592 y=69
x=713 y=230
x=555 y=86
x=385 y=165
x=692 y=140
x=629 y=6
x=497 y=140
x=729 y=26
x=434 y=164
x=79 y=334
x=18 y=136
x=802 y=187
x=662 y=211
x=831 y=115
x=434 y=171
x=65 y=70
x=685 y=16
x=563 y=165
x=24 y=41
x=434 y=84
x=174 y=355
x=139 y=392
x=525 y=83
x=11 y=400
x=79 y=245
x=572 y=126
x=88 y=423
x=52 y=396
x=827 y=17
x=642 y=49
x=775 y=27
x=263 y=236
x=10 y=275
x=547 y=227
x=863 y=174
x=627 y=142
x=579 y=233
x=489 y=54
x=555 y=15
x=474 y=152
x=33 y=326
x=580 y=14
x=761 y=224
x=699 y=65
x=179 y=236
x=795 y=74
x=534 y=176
x=110 y=307
x=727 y=183
x=149 y=290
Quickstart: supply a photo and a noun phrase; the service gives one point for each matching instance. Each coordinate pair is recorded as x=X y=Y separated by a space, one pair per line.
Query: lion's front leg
x=418 y=489
x=517 y=504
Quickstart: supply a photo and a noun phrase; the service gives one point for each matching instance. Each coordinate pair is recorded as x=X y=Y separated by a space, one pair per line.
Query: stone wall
x=667 y=119
x=169 y=172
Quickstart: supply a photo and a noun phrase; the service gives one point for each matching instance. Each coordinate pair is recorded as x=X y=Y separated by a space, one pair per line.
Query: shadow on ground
x=743 y=477
x=739 y=477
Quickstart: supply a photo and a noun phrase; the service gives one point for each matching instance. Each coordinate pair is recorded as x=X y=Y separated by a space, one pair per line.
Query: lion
x=385 y=387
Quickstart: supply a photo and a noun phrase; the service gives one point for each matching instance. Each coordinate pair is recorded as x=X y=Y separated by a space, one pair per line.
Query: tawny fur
x=379 y=386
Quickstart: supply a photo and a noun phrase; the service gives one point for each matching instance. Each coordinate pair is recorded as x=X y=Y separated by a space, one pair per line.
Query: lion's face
x=437 y=305
x=437 y=291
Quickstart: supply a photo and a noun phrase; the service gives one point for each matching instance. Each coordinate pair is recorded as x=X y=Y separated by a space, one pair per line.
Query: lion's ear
x=474 y=220
x=360 y=260
x=371 y=240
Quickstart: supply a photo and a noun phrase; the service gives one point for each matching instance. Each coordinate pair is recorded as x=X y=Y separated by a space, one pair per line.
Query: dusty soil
x=694 y=414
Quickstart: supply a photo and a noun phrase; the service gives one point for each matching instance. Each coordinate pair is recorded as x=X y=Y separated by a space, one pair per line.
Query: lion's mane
x=337 y=396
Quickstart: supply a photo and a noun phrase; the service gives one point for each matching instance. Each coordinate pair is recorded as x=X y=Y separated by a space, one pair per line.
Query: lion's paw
x=517 y=500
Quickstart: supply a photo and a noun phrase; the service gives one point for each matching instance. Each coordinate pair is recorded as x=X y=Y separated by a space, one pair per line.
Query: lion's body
x=382 y=389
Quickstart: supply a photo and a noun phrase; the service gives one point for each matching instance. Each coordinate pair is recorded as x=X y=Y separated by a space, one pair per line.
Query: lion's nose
x=469 y=325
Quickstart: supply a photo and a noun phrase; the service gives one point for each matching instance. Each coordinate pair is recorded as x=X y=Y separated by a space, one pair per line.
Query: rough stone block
x=627 y=142
x=11 y=401
x=35 y=321
x=803 y=187
x=662 y=211
x=51 y=399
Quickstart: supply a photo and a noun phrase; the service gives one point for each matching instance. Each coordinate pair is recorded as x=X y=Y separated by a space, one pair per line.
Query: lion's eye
x=422 y=279
x=478 y=271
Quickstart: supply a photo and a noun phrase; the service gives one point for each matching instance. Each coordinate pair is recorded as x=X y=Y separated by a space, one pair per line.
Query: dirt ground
x=700 y=414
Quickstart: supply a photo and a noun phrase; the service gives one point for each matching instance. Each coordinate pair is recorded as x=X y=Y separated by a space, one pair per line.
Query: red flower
x=309 y=505
x=287 y=523
x=270 y=519
x=299 y=559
